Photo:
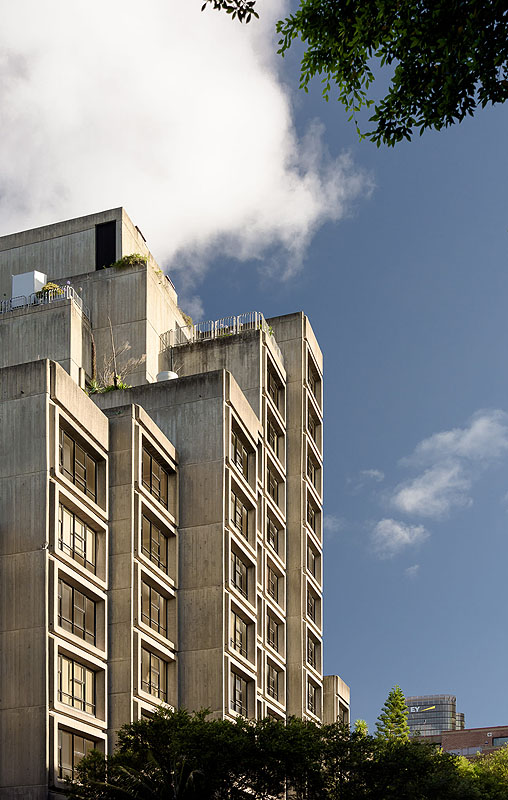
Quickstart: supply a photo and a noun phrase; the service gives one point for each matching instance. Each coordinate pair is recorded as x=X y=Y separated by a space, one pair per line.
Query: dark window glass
x=312 y=427
x=239 y=454
x=105 y=244
x=272 y=632
x=78 y=466
x=155 y=478
x=154 y=544
x=76 y=612
x=76 y=685
x=272 y=681
x=76 y=539
x=71 y=749
x=272 y=584
x=239 y=634
x=273 y=437
x=312 y=471
x=312 y=696
x=311 y=651
x=311 y=606
x=239 y=515
x=238 y=694
x=153 y=674
x=314 y=383
x=154 y=609
x=311 y=561
x=272 y=534
x=272 y=485
x=273 y=388
x=311 y=516
x=239 y=574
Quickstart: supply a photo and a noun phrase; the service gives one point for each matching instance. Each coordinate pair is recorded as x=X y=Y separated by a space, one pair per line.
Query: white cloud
x=332 y=523
x=178 y=115
x=484 y=439
x=452 y=461
x=373 y=474
x=389 y=537
x=434 y=492
x=412 y=572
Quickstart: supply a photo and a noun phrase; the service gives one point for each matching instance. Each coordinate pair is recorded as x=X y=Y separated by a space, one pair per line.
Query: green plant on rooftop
x=49 y=288
x=132 y=260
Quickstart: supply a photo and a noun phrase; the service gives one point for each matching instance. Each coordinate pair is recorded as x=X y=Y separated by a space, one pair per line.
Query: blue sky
x=257 y=196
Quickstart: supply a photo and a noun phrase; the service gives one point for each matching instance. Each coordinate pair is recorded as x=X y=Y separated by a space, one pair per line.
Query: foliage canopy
x=445 y=58
x=191 y=757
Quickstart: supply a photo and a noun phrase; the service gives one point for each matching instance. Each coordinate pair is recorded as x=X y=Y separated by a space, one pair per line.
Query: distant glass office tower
x=430 y=714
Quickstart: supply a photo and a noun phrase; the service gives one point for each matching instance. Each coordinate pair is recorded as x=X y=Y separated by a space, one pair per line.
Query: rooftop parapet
x=43 y=298
x=218 y=329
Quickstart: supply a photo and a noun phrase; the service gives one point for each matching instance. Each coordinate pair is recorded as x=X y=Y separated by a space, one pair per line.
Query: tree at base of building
x=392 y=721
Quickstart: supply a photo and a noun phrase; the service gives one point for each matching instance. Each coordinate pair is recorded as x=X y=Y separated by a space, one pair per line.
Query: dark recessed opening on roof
x=105 y=244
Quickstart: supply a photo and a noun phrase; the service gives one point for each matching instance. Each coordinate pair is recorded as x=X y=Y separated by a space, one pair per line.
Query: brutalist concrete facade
x=160 y=544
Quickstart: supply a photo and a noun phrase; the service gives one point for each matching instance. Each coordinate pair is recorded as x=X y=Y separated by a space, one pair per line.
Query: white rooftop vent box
x=27 y=283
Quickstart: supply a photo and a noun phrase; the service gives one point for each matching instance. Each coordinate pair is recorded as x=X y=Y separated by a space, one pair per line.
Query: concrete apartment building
x=160 y=544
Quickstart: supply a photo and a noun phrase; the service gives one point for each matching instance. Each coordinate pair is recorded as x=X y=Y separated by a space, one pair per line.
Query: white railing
x=219 y=329
x=44 y=298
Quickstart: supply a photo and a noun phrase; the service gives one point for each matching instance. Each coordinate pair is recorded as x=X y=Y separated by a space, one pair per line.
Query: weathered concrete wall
x=296 y=339
x=58 y=331
x=190 y=412
x=23 y=579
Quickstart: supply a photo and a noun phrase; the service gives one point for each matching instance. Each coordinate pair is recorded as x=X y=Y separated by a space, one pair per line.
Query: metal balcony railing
x=43 y=299
x=219 y=329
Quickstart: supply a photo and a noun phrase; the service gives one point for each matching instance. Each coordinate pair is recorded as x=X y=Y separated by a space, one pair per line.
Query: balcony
x=43 y=299
x=219 y=329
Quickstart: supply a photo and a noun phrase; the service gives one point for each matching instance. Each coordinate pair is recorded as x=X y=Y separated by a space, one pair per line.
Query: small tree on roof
x=392 y=721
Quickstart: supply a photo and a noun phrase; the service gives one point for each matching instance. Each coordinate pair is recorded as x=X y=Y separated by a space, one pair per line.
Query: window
x=154 y=609
x=312 y=427
x=153 y=674
x=76 y=612
x=76 y=685
x=499 y=741
x=313 y=472
x=272 y=534
x=239 y=454
x=105 y=244
x=311 y=606
x=154 y=544
x=76 y=539
x=238 y=694
x=343 y=715
x=155 y=478
x=239 y=574
x=272 y=682
x=78 y=466
x=273 y=437
x=311 y=516
x=314 y=383
x=272 y=632
x=239 y=515
x=273 y=388
x=312 y=697
x=272 y=485
x=312 y=561
x=71 y=749
x=272 y=584
x=312 y=651
x=239 y=634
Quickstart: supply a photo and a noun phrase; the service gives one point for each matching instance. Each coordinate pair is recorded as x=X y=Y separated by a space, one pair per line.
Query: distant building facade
x=429 y=715
x=161 y=544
